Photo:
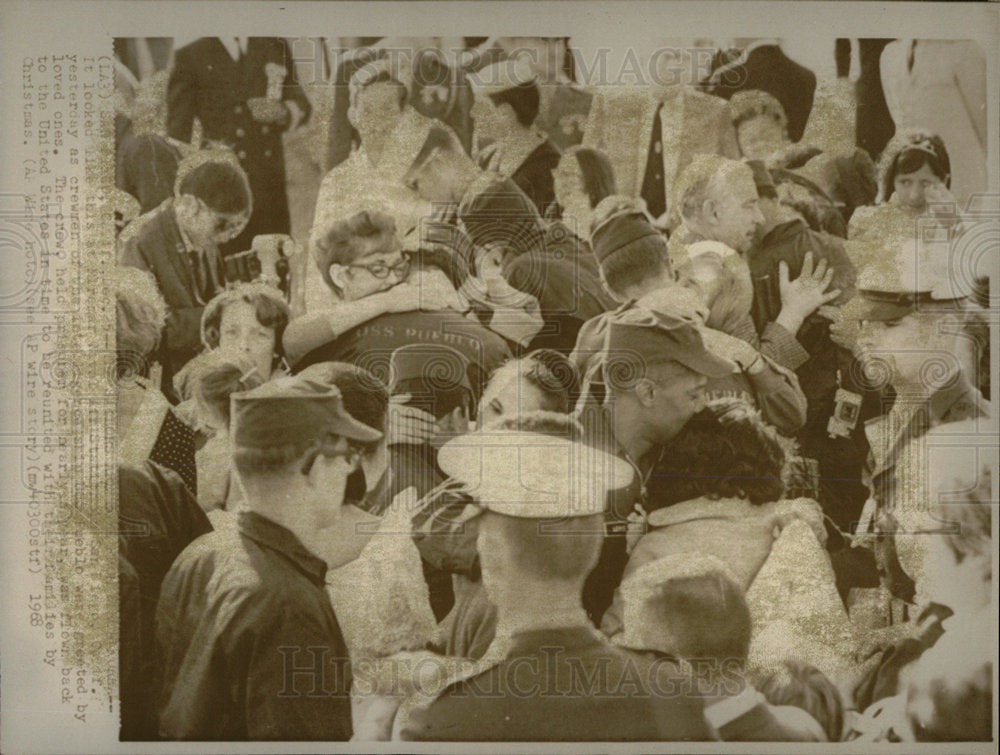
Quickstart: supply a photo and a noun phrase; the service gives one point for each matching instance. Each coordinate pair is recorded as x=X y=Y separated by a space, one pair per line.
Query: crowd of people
x=612 y=414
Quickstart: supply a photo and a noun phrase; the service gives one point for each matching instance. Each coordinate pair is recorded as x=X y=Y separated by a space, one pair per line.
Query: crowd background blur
x=438 y=353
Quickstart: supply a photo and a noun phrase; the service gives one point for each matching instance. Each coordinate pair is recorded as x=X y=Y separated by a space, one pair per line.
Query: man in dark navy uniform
x=244 y=92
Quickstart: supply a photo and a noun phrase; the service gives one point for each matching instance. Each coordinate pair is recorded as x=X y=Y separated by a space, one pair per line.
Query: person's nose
x=913 y=194
x=699 y=402
x=867 y=335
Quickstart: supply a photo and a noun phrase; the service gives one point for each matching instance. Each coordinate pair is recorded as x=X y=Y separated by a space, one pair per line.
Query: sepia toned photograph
x=626 y=386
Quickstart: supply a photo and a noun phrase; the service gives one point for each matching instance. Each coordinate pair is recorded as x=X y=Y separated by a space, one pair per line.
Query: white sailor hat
x=531 y=475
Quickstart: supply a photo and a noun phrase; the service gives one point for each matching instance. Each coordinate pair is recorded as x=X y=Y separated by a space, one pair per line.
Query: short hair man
x=655 y=371
x=243 y=609
x=433 y=378
x=689 y=606
x=179 y=244
x=542 y=260
x=245 y=94
x=760 y=122
x=505 y=109
x=540 y=534
x=655 y=368
x=911 y=312
x=718 y=202
x=563 y=104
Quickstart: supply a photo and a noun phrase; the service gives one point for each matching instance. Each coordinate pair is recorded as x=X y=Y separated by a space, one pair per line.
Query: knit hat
x=618 y=231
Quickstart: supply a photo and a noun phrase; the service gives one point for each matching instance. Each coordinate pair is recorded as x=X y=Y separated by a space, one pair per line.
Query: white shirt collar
x=730 y=708
x=234 y=45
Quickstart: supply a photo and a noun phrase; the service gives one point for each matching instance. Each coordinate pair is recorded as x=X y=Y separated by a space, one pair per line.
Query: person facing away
x=243 y=605
x=539 y=535
x=687 y=606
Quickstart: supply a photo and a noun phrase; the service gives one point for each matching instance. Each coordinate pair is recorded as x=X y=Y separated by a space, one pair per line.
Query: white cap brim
x=535 y=476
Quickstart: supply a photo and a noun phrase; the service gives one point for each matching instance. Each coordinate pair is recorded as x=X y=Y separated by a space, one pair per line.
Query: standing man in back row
x=548 y=675
x=506 y=107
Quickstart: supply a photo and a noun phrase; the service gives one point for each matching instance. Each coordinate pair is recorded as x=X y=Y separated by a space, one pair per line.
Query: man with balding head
x=718 y=203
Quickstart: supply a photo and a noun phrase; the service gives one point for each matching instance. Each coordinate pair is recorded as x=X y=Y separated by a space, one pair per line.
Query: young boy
x=179 y=244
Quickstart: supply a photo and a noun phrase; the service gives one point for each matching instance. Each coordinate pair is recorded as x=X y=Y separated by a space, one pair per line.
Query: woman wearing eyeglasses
x=365 y=268
x=384 y=299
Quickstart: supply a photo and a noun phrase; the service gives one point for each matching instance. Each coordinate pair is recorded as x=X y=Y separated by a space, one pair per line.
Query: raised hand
x=807 y=293
x=843 y=332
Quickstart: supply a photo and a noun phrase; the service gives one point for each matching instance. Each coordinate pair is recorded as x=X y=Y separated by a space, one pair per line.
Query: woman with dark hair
x=583 y=178
x=916 y=204
x=915 y=170
x=244 y=322
x=914 y=181
x=716 y=490
x=542 y=380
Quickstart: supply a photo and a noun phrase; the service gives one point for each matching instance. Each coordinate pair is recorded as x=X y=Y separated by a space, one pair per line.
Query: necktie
x=653 y=187
x=202 y=277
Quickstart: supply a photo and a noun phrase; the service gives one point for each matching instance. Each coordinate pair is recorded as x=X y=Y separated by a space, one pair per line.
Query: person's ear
x=321 y=469
x=352 y=114
x=645 y=390
x=709 y=210
x=338 y=274
x=187 y=204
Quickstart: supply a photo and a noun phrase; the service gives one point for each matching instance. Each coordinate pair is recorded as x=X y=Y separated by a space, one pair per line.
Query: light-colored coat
x=620 y=124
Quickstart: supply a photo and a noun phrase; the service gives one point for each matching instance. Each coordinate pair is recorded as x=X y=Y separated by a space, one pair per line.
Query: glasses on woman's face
x=381 y=270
